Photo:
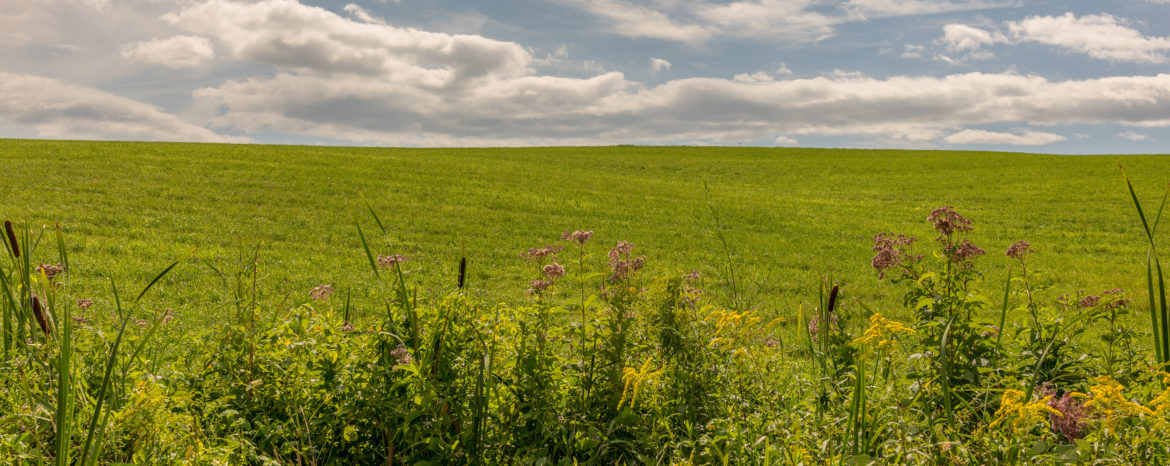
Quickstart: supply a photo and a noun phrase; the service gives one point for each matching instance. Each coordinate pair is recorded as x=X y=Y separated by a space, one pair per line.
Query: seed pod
x=39 y=313
x=833 y=298
x=12 y=238
x=462 y=270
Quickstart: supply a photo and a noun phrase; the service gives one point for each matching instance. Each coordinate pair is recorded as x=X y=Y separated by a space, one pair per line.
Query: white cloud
x=56 y=110
x=1026 y=138
x=174 y=52
x=913 y=51
x=292 y=35
x=658 y=64
x=794 y=21
x=361 y=14
x=784 y=141
x=1133 y=136
x=1101 y=36
x=783 y=70
x=884 y=8
x=963 y=38
x=632 y=20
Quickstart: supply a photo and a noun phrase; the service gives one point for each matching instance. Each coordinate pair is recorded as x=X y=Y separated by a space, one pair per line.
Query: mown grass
x=788 y=213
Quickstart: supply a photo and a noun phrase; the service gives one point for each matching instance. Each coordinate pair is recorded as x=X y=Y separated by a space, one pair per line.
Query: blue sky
x=1036 y=76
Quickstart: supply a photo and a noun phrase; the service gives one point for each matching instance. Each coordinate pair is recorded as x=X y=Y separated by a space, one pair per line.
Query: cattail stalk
x=39 y=313
x=12 y=238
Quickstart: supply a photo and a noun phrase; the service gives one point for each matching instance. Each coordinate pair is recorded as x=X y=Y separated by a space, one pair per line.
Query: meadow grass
x=787 y=214
x=295 y=332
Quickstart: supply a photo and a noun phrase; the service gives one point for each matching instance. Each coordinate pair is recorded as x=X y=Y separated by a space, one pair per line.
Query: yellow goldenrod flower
x=635 y=379
x=1019 y=415
x=883 y=331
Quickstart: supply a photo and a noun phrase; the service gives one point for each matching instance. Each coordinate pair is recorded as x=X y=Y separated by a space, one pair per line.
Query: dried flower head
x=1070 y=423
x=535 y=254
x=578 y=236
x=554 y=271
x=390 y=260
x=321 y=292
x=538 y=286
x=402 y=355
x=622 y=264
x=892 y=252
x=965 y=251
x=168 y=316
x=51 y=271
x=1018 y=249
x=947 y=222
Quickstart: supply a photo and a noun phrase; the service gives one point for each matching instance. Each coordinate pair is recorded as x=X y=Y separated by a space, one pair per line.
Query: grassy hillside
x=788 y=214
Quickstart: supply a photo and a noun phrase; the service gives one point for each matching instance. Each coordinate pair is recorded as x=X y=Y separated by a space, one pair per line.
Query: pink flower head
x=538 y=286
x=535 y=254
x=1071 y=421
x=891 y=252
x=966 y=252
x=321 y=292
x=554 y=271
x=1089 y=301
x=691 y=277
x=84 y=303
x=946 y=221
x=402 y=355
x=390 y=260
x=1018 y=250
x=51 y=271
x=579 y=236
x=622 y=264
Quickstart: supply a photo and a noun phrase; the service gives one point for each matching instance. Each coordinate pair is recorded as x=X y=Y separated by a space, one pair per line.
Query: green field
x=788 y=350
x=788 y=214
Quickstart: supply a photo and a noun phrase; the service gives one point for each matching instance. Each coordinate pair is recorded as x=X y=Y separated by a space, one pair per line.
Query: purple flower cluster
x=535 y=254
x=1071 y=422
x=965 y=251
x=891 y=252
x=578 y=236
x=622 y=264
x=1089 y=301
x=947 y=222
x=554 y=271
x=1018 y=250
x=390 y=260
x=402 y=355
x=321 y=292
x=84 y=303
x=538 y=286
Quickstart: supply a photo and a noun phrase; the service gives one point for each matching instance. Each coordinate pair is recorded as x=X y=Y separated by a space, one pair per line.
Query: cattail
x=12 y=238
x=462 y=271
x=833 y=298
x=39 y=313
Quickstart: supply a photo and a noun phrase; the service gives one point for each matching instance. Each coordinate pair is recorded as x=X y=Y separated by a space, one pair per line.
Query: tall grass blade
x=105 y=384
x=1007 y=288
x=374 y=214
x=64 y=390
x=156 y=279
x=62 y=253
x=366 y=245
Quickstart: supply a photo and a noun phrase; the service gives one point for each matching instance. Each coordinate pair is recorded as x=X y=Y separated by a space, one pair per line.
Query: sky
x=1012 y=75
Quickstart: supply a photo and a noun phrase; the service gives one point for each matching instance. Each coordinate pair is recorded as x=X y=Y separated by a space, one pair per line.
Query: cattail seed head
x=462 y=271
x=12 y=238
x=39 y=314
x=833 y=298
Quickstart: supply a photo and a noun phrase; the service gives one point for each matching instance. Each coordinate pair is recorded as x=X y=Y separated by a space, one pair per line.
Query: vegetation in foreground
x=606 y=363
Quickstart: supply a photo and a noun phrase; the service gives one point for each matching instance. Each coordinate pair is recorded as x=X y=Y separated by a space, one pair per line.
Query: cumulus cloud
x=884 y=8
x=1133 y=136
x=174 y=52
x=658 y=64
x=1026 y=138
x=57 y=110
x=289 y=34
x=784 y=141
x=963 y=38
x=1101 y=36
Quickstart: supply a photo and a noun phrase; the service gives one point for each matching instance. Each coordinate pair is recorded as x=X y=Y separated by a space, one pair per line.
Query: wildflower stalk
x=1158 y=313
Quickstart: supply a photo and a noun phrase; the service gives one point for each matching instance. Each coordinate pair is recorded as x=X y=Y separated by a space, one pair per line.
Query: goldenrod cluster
x=1109 y=400
x=727 y=323
x=635 y=379
x=1021 y=415
x=883 y=331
